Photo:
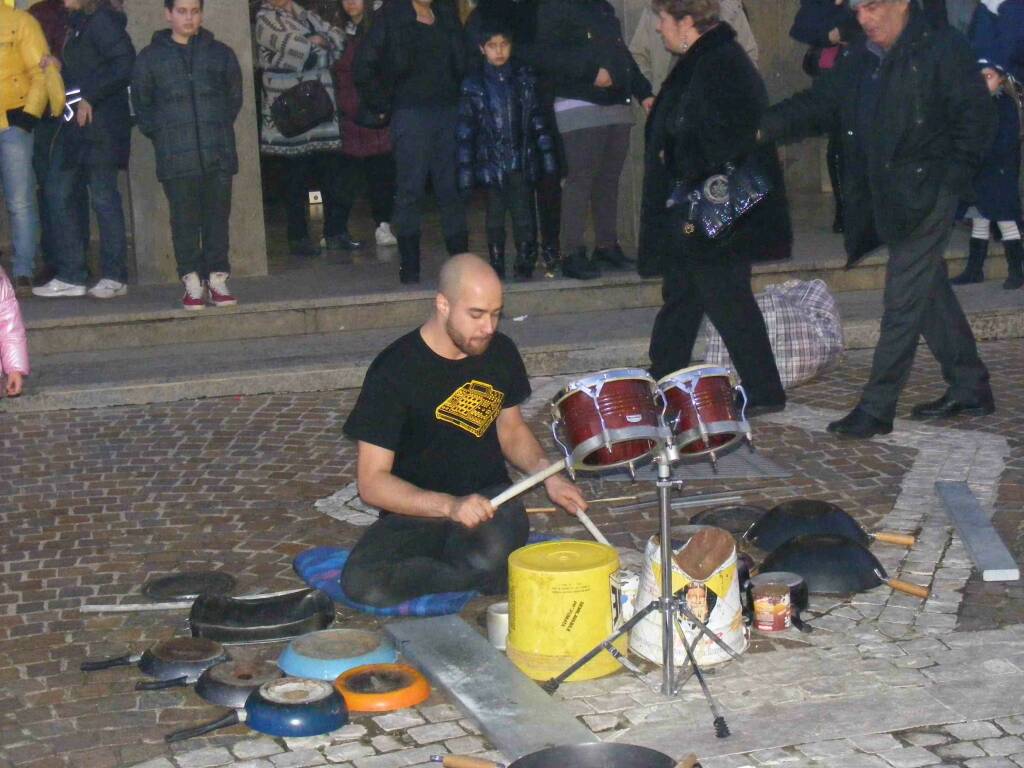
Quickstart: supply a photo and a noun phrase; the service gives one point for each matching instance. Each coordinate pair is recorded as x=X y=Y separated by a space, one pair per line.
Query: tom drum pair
x=621 y=417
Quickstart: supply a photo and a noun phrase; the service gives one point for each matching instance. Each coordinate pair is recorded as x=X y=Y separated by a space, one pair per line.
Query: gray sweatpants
x=594 y=158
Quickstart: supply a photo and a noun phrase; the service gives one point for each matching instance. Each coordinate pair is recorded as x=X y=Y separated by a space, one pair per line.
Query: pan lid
x=188 y=585
x=382 y=687
x=187 y=649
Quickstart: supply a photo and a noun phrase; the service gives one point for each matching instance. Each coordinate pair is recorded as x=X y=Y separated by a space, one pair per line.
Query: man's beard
x=463 y=343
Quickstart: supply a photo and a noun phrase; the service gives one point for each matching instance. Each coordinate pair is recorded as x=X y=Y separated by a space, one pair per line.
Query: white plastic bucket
x=717 y=598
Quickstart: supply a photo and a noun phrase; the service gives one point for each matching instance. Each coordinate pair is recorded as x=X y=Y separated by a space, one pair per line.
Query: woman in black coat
x=98 y=58
x=706 y=115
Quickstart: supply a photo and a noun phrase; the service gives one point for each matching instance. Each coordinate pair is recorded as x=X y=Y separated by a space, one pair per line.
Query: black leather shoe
x=342 y=242
x=613 y=257
x=860 y=425
x=947 y=405
x=578 y=266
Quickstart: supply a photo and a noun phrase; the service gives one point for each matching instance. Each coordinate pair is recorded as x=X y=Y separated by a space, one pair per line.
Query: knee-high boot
x=409 y=252
x=1015 y=264
x=974 y=271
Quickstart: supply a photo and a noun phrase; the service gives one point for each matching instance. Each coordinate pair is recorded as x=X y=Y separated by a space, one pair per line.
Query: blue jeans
x=19 y=183
x=44 y=136
x=106 y=202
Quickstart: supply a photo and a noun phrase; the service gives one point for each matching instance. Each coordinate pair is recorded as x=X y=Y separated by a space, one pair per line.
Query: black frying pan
x=180 y=659
x=596 y=755
x=799 y=517
x=835 y=565
x=227 y=684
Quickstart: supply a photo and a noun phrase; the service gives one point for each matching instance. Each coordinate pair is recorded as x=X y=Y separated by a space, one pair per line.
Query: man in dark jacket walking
x=916 y=122
x=187 y=92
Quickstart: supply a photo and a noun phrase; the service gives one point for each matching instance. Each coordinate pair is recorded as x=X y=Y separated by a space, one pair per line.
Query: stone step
x=363 y=296
x=553 y=344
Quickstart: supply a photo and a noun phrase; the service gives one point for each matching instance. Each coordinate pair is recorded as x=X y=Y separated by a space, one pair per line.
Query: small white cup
x=497 y=624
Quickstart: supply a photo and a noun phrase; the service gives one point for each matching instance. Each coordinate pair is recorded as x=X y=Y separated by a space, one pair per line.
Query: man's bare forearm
x=385 y=491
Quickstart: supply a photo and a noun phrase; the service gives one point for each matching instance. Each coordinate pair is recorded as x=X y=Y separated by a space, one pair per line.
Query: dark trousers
x=720 y=289
x=315 y=171
x=515 y=197
x=424 y=142
x=919 y=301
x=378 y=173
x=45 y=134
x=200 y=216
x=401 y=557
x=549 y=208
x=594 y=158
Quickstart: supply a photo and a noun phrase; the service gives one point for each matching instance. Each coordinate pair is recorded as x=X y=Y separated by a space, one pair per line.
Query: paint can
x=772 y=608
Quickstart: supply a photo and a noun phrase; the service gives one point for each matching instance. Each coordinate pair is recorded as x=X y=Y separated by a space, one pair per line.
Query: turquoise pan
x=328 y=653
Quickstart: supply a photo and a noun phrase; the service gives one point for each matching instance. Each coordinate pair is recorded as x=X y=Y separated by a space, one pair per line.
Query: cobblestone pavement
x=99 y=501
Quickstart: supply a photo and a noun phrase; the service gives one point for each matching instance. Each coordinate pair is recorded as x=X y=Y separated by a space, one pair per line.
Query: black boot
x=550 y=257
x=409 y=252
x=456 y=244
x=834 y=159
x=526 y=259
x=973 y=272
x=577 y=265
x=1015 y=264
x=496 y=250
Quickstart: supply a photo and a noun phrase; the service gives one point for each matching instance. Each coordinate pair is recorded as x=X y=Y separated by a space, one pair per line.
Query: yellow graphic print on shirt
x=473 y=407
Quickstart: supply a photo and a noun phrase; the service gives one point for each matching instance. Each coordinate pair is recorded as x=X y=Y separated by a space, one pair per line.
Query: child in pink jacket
x=13 y=347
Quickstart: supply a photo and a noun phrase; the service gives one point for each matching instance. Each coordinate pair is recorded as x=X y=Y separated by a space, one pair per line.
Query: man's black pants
x=200 y=218
x=402 y=557
x=720 y=289
x=919 y=301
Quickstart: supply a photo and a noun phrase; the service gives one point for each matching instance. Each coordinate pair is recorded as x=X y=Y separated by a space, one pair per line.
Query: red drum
x=700 y=408
x=610 y=419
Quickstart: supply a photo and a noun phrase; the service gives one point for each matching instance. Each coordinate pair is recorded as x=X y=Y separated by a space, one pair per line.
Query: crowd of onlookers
x=531 y=100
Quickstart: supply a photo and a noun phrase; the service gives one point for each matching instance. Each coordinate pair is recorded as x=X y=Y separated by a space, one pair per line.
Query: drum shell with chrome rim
x=609 y=419
x=701 y=411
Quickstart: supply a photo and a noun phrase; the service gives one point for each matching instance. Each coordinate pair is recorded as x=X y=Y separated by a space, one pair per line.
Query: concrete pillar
x=153 y=252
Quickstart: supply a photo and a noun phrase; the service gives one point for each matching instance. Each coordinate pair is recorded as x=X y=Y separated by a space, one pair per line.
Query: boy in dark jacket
x=187 y=92
x=504 y=145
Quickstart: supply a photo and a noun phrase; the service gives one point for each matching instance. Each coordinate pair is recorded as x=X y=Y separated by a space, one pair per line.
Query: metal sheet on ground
x=513 y=712
x=987 y=550
x=741 y=463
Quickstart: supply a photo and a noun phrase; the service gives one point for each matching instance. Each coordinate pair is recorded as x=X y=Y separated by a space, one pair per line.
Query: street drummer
x=436 y=420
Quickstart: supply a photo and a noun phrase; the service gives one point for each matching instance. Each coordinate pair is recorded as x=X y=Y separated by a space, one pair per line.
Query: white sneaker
x=108 y=289
x=384 y=236
x=195 y=296
x=219 y=295
x=56 y=289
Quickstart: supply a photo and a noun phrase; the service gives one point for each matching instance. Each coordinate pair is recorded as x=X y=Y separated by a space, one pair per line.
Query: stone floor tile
x=204 y=758
x=250 y=748
x=1002 y=746
x=973 y=730
x=303 y=758
x=428 y=734
x=340 y=753
x=909 y=757
x=876 y=742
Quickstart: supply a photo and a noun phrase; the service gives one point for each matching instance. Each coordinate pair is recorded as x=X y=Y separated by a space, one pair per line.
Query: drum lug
x=568 y=455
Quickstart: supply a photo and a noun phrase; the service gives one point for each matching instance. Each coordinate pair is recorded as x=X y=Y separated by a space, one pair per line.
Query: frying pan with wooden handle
x=799 y=517
x=542 y=758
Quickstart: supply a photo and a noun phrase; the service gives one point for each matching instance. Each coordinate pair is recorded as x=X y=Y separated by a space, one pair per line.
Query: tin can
x=772 y=609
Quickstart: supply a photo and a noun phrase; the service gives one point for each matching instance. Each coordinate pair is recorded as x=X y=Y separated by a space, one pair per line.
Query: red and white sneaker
x=195 y=295
x=218 y=293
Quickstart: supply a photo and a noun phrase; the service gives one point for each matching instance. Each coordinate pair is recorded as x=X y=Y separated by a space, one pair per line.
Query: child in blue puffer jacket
x=503 y=144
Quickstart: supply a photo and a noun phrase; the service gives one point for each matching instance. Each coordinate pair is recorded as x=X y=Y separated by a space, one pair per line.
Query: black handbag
x=301 y=108
x=712 y=207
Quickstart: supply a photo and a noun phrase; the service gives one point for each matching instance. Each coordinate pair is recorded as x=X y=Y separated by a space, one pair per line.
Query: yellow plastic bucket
x=560 y=606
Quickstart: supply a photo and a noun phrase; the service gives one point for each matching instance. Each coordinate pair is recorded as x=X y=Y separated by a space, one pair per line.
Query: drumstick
x=540 y=510
x=527 y=483
x=594 y=530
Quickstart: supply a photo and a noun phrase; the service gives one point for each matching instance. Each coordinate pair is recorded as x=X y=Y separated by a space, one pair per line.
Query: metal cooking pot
x=597 y=755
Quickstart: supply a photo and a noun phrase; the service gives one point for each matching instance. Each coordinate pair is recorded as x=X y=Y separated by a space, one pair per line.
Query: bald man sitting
x=436 y=420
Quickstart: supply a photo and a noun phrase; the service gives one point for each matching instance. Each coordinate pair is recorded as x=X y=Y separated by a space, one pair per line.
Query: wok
x=287 y=707
x=227 y=684
x=736 y=519
x=597 y=755
x=181 y=659
x=835 y=565
x=261 y=619
x=799 y=517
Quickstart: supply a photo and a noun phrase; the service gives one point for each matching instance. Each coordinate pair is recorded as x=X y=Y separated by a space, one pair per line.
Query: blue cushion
x=321 y=567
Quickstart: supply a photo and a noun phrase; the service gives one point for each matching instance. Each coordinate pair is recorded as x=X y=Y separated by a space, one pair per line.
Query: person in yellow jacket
x=29 y=82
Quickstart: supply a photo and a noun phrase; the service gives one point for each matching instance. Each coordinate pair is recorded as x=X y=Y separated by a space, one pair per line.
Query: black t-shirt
x=438 y=415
